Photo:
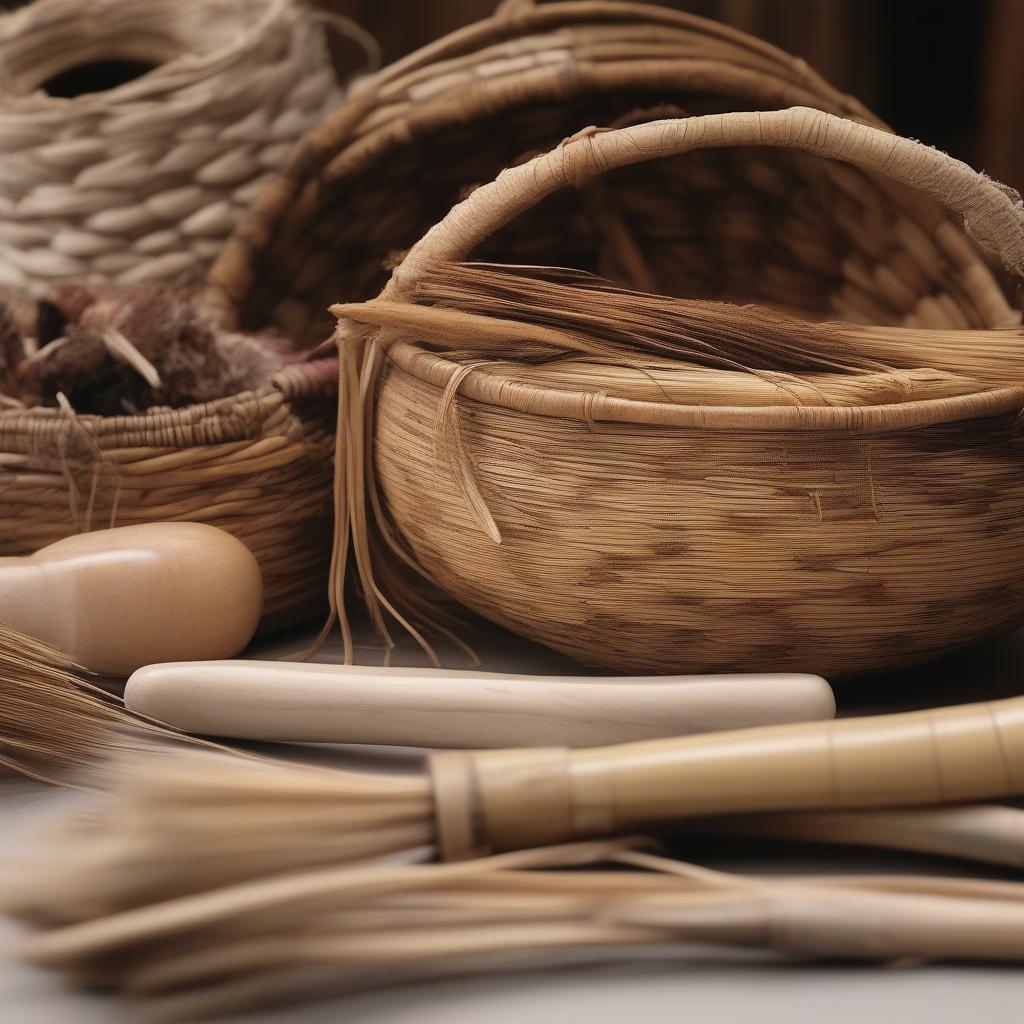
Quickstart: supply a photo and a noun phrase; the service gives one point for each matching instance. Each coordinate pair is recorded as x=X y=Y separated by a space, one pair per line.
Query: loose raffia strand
x=360 y=926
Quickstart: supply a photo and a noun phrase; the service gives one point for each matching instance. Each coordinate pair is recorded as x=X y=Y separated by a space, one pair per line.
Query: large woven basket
x=391 y=161
x=673 y=516
x=143 y=181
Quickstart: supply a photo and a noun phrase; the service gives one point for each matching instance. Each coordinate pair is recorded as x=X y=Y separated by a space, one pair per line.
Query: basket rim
x=502 y=26
x=336 y=147
x=488 y=387
x=290 y=383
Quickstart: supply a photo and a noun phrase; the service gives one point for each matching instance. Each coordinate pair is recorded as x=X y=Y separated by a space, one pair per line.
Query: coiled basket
x=144 y=179
x=790 y=492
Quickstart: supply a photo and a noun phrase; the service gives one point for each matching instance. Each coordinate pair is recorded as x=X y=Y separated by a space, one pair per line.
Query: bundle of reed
x=52 y=719
x=185 y=822
x=661 y=484
x=143 y=180
x=58 y=724
x=306 y=935
x=391 y=161
x=203 y=885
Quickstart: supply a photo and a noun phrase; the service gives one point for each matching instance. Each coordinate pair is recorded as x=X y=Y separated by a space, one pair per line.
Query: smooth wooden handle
x=276 y=701
x=535 y=797
x=113 y=600
x=991 y=833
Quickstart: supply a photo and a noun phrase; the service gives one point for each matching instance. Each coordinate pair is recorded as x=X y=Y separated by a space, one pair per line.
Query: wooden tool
x=989 y=833
x=493 y=800
x=116 y=599
x=277 y=701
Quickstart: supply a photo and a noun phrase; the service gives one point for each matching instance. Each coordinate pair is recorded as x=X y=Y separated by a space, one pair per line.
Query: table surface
x=704 y=987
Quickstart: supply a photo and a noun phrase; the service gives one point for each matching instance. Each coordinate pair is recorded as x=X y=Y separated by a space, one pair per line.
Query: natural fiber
x=296 y=937
x=211 y=887
x=142 y=181
x=987 y=833
x=674 y=485
x=367 y=182
x=186 y=822
x=112 y=350
x=56 y=723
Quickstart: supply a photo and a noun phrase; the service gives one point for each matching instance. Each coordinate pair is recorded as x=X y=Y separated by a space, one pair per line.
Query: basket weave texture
x=687 y=514
x=256 y=464
x=143 y=181
x=395 y=157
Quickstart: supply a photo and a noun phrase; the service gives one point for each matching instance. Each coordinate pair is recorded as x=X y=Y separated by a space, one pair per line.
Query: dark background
x=948 y=72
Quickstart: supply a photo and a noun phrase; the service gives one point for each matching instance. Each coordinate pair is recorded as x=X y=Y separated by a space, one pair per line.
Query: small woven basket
x=257 y=464
x=143 y=181
x=707 y=513
x=390 y=162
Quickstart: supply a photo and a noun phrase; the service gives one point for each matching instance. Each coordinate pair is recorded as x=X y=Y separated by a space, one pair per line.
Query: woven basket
x=674 y=517
x=144 y=180
x=256 y=464
x=382 y=168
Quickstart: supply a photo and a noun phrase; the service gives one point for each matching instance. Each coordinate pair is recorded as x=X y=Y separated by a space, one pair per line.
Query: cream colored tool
x=432 y=708
x=116 y=599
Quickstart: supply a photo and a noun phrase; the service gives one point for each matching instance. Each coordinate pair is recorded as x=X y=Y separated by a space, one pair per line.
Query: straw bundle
x=176 y=823
x=456 y=112
x=52 y=718
x=203 y=885
x=143 y=180
x=305 y=935
x=58 y=725
x=673 y=485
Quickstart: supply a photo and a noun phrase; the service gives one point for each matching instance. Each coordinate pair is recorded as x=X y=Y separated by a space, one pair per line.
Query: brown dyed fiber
x=674 y=485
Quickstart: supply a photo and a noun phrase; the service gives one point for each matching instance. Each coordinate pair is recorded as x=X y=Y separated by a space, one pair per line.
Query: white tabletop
x=704 y=988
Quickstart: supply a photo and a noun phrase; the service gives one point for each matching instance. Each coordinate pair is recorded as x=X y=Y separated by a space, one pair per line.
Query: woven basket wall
x=258 y=465
x=143 y=181
x=390 y=162
x=676 y=518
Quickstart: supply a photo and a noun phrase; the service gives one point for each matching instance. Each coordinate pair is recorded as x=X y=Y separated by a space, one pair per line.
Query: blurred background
x=948 y=72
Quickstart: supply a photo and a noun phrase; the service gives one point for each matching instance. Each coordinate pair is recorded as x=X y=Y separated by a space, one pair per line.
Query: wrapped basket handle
x=991 y=213
x=351 y=31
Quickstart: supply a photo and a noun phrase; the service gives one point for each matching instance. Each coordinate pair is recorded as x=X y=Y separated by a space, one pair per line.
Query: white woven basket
x=143 y=181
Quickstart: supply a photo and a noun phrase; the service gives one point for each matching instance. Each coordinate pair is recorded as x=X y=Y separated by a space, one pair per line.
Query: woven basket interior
x=337 y=242
x=808 y=235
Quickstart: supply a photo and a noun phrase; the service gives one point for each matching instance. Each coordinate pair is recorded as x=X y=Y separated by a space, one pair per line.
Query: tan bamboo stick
x=992 y=834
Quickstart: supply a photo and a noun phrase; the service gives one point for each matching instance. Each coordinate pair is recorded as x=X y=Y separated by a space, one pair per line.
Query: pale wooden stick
x=990 y=833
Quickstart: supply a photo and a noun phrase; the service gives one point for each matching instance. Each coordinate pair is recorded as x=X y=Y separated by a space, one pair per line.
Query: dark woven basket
x=392 y=160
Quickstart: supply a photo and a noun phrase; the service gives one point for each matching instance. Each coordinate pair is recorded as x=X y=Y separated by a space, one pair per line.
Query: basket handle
x=351 y=31
x=991 y=213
